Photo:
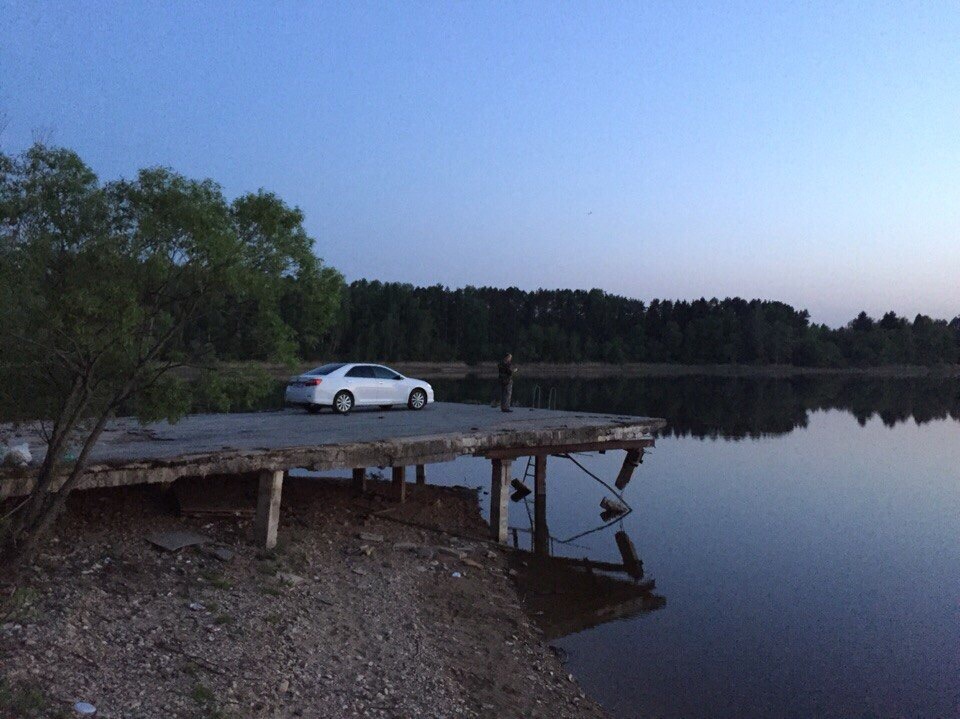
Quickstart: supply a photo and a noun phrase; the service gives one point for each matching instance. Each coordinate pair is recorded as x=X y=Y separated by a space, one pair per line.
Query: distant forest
x=393 y=321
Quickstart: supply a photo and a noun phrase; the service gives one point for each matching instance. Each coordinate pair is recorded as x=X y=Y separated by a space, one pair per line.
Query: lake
x=804 y=535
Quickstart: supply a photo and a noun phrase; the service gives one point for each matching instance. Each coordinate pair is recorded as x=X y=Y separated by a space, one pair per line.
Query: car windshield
x=327 y=368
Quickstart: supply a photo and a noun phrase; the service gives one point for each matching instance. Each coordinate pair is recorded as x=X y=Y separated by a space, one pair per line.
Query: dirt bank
x=352 y=615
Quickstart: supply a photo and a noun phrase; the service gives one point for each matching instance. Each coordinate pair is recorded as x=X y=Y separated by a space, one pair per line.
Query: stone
x=176 y=539
x=451 y=552
x=291 y=579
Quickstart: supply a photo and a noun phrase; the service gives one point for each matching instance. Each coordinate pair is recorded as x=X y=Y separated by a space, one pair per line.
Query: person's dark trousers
x=506 y=393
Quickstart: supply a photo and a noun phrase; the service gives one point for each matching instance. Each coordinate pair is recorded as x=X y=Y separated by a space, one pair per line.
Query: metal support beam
x=400 y=483
x=421 y=474
x=268 y=508
x=541 y=534
x=499 y=494
x=359 y=480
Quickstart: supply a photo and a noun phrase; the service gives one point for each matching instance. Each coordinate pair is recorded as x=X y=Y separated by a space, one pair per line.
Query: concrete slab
x=199 y=445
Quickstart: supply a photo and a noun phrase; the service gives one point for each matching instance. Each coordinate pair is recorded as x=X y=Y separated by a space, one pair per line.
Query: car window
x=384 y=373
x=327 y=368
x=360 y=371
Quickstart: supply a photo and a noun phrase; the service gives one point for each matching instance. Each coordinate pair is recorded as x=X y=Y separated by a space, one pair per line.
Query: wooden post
x=400 y=483
x=421 y=474
x=268 y=508
x=359 y=480
x=499 y=494
x=630 y=462
x=541 y=534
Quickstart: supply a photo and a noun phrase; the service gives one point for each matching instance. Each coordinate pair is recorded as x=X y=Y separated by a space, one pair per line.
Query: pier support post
x=421 y=474
x=541 y=534
x=630 y=462
x=631 y=562
x=268 y=508
x=499 y=494
x=400 y=483
x=359 y=480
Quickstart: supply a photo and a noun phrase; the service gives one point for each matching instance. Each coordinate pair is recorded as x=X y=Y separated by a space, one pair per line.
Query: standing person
x=505 y=371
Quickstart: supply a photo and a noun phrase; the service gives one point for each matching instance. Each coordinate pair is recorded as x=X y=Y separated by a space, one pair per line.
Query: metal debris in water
x=613 y=506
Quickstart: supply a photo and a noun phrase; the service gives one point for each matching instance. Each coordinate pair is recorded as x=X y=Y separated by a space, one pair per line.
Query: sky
x=797 y=151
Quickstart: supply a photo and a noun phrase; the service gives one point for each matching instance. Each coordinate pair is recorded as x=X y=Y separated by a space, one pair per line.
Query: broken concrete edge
x=402 y=451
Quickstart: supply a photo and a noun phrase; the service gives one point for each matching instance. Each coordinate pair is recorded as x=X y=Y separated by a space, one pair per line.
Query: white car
x=345 y=385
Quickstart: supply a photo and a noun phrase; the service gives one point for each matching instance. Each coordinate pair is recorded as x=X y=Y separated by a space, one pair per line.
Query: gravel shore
x=355 y=614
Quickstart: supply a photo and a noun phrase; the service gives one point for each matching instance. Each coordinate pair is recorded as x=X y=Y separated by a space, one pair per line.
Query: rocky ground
x=353 y=615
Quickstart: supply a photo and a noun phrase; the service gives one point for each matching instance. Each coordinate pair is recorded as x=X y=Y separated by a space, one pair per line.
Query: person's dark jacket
x=505 y=371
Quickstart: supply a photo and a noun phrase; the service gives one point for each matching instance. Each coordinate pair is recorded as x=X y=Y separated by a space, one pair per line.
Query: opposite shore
x=431 y=370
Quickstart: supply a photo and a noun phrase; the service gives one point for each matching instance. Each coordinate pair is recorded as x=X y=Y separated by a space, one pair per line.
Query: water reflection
x=737 y=407
x=567 y=595
x=810 y=573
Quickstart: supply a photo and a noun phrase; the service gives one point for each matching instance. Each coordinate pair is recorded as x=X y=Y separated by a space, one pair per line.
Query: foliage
x=233 y=389
x=21 y=700
x=106 y=288
x=391 y=321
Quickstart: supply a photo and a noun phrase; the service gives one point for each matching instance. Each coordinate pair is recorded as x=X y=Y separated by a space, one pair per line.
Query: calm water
x=804 y=534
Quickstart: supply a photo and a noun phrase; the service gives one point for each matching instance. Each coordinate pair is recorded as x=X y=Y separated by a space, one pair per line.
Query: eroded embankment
x=351 y=616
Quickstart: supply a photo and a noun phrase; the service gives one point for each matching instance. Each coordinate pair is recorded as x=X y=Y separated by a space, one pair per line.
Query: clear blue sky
x=797 y=151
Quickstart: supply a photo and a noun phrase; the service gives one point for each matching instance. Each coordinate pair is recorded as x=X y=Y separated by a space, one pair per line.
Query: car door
x=364 y=384
x=392 y=386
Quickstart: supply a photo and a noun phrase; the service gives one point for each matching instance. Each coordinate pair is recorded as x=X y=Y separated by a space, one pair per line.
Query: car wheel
x=313 y=408
x=342 y=402
x=418 y=399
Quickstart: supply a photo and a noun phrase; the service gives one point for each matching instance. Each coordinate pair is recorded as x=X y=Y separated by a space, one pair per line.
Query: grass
x=207 y=701
x=222 y=619
x=217 y=580
x=21 y=700
x=21 y=605
x=298 y=560
x=202 y=694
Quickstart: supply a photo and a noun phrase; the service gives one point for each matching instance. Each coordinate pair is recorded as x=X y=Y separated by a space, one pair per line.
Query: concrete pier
x=270 y=443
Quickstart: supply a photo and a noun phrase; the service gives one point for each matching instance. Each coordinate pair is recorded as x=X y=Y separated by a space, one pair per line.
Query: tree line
x=393 y=321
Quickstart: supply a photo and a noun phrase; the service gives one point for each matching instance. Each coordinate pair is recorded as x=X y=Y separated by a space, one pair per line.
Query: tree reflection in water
x=736 y=407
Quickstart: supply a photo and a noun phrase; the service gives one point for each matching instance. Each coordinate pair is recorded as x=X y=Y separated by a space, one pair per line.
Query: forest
x=393 y=321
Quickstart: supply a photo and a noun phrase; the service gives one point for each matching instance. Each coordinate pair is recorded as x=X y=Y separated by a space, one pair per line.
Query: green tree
x=107 y=288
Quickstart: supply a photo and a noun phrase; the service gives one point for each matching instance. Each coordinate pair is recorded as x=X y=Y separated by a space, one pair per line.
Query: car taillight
x=312 y=382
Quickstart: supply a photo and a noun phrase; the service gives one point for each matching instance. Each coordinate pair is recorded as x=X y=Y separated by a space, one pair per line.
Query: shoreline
x=597 y=370
x=353 y=615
